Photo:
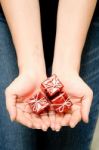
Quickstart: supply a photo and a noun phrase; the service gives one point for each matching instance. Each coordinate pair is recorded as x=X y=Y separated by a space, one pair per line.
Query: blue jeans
x=14 y=136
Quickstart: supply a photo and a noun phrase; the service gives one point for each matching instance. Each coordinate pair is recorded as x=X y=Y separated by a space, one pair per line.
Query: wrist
x=31 y=64
x=32 y=68
x=67 y=58
x=66 y=75
x=33 y=75
x=65 y=72
x=65 y=67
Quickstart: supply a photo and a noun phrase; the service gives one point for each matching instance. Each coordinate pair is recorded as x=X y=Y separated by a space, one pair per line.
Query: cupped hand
x=81 y=96
x=16 y=94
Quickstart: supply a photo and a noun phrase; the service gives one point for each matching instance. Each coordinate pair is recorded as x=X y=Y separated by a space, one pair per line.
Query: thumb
x=11 y=104
x=86 y=104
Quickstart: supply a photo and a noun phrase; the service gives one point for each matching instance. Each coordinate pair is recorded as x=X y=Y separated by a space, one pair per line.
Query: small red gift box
x=61 y=103
x=38 y=103
x=51 y=85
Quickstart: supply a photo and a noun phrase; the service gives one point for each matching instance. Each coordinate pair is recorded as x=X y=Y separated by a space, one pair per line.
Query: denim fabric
x=14 y=136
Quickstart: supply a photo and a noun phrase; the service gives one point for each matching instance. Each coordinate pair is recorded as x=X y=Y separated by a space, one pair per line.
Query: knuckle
x=6 y=96
x=30 y=125
x=91 y=93
x=7 y=107
x=7 y=91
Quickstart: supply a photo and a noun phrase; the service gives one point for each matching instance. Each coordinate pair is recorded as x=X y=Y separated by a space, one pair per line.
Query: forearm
x=23 y=18
x=73 y=22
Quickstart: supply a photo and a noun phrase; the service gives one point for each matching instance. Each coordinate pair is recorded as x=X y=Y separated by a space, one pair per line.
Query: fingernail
x=12 y=119
x=38 y=127
x=53 y=126
x=72 y=125
x=44 y=128
x=12 y=116
x=57 y=130
x=87 y=120
x=63 y=124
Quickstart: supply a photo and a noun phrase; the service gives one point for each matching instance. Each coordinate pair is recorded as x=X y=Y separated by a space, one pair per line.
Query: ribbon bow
x=61 y=107
x=36 y=103
x=53 y=84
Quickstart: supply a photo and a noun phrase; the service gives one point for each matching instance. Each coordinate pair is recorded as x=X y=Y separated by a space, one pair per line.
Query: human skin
x=73 y=21
x=26 y=33
x=23 y=18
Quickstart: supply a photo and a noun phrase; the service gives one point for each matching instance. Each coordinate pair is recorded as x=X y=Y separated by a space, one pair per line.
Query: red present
x=61 y=103
x=38 y=103
x=51 y=85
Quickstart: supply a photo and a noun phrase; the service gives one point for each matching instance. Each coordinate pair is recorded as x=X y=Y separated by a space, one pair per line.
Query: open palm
x=81 y=96
x=16 y=94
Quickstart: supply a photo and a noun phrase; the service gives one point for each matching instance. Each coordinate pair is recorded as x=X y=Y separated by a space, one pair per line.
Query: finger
x=75 y=107
x=86 y=104
x=58 y=120
x=11 y=104
x=52 y=117
x=75 y=118
x=24 y=107
x=21 y=118
x=35 y=119
x=75 y=100
x=37 y=122
x=66 y=119
x=46 y=121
